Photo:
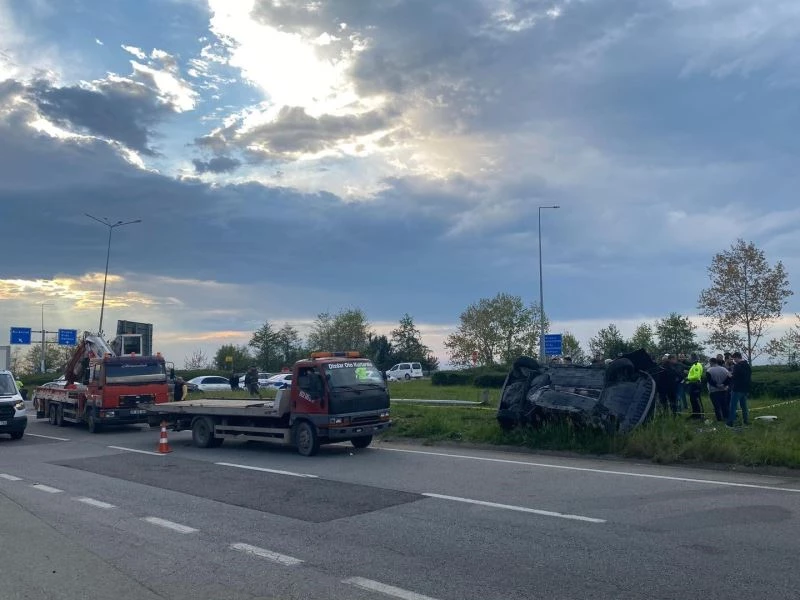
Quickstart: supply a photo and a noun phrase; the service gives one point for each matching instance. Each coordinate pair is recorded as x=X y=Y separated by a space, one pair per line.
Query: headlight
x=20 y=405
x=336 y=420
x=385 y=414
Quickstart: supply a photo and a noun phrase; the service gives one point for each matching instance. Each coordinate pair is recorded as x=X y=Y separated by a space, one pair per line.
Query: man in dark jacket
x=251 y=381
x=233 y=380
x=740 y=388
x=668 y=383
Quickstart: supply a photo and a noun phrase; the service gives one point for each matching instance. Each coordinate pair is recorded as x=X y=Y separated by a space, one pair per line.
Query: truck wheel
x=306 y=439
x=52 y=415
x=361 y=442
x=60 y=416
x=92 y=424
x=203 y=433
x=17 y=435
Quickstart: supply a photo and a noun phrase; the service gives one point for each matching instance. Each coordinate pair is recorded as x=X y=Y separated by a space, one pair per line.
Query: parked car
x=278 y=381
x=210 y=383
x=405 y=371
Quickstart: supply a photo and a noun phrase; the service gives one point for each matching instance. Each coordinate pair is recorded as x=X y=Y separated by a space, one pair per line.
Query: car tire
x=17 y=435
x=361 y=442
x=407 y=377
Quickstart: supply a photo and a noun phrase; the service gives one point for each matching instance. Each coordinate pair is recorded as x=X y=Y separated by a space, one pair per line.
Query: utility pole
x=542 y=356
x=111 y=226
x=42 y=364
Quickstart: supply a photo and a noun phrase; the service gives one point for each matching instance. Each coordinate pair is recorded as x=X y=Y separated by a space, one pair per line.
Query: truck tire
x=306 y=439
x=17 y=435
x=361 y=442
x=203 y=433
x=60 y=416
x=52 y=414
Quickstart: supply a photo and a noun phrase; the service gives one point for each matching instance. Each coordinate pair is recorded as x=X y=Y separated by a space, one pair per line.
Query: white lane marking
x=137 y=451
x=46 y=488
x=600 y=471
x=47 y=437
x=276 y=471
x=169 y=525
x=535 y=511
x=289 y=561
x=10 y=477
x=96 y=503
x=382 y=588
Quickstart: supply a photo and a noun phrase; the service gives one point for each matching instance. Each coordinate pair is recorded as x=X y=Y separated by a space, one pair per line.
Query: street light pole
x=541 y=289
x=111 y=226
x=42 y=365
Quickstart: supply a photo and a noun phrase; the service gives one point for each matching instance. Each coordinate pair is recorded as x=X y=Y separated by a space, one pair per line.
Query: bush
x=452 y=378
x=490 y=380
x=777 y=382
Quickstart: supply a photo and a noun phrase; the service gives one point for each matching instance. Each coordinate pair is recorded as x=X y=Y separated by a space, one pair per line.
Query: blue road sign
x=67 y=337
x=20 y=335
x=552 y=344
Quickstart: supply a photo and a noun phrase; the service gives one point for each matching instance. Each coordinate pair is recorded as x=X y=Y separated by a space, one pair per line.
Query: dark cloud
x=122 y=110
x=218 y=164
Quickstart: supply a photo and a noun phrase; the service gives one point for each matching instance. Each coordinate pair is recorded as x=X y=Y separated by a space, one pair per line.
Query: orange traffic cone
x=163 y=444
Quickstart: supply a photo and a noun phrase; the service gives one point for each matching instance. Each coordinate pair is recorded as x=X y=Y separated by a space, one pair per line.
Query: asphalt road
x=83 y=514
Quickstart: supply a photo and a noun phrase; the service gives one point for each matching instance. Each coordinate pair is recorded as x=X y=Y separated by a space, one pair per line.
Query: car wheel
x=17 y=435
x=361 y=442
x=408 y=376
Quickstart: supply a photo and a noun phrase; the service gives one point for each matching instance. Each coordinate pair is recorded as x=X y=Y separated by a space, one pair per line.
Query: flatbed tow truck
x=334 y=397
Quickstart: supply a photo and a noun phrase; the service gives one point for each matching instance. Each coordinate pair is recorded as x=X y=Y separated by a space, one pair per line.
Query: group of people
x=726 y=378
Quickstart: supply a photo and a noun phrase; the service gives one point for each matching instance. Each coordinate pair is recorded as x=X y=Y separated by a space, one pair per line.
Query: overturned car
x=616 y=397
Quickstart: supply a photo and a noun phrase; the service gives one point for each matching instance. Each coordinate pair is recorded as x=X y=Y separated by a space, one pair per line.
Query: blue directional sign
x=20 y=335
x=552 y=344
x=67 y=337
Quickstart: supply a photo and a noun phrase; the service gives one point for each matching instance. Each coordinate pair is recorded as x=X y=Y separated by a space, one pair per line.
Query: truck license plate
x=3 y=423
x=137 y=412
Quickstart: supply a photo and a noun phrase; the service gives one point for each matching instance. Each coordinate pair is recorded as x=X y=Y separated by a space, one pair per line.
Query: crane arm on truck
x=91 y=346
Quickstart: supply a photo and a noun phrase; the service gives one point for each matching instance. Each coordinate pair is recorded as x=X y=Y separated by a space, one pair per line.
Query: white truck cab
x=13 y=416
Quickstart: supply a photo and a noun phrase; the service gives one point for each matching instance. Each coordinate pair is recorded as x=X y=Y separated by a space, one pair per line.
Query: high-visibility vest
x=695 y=373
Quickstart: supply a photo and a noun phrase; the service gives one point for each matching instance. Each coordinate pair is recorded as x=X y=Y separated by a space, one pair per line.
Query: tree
x=380 y=351
x=498 y=329
x=55 y=358
x=198 y=360
x=265 y=344
x=572 y=348
x=240 y=354
x=609 y=342
x=290 y=346
x=643 y=338
x=19 y=363
x=407 y=341
x=745 y=296
x=346 y=330
x=787 y=347
x=676 y=335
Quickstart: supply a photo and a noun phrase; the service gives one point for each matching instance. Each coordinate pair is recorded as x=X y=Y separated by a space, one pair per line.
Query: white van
x=406 y=370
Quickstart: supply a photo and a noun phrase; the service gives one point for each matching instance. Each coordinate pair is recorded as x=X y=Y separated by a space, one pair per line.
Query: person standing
x=668 y=378
x=740 y=388
x=682 y=367
x=181 y=390
x=694 y=383
x=233 y=380
x=251 y=382
x=717 y=378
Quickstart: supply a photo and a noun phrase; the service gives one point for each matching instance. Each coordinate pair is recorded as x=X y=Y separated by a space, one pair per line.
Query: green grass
x=422 y=389
x=663 y=440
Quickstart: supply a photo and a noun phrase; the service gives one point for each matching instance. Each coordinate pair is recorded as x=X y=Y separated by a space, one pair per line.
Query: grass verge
x=663 y=440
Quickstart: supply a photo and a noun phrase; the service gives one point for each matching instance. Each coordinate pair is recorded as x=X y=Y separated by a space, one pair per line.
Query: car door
x=416 y=370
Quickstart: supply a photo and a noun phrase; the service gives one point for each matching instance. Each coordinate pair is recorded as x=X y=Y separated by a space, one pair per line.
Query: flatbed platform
x=218 y=406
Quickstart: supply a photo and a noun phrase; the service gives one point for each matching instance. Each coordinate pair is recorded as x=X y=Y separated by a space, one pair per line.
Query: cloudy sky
x=292 y=157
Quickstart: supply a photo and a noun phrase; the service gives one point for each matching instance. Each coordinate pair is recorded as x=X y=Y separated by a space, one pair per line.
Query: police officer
x=694 y=382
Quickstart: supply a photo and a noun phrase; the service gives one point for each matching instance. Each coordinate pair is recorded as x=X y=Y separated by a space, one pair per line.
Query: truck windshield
x=350 y=374
x=137 y=372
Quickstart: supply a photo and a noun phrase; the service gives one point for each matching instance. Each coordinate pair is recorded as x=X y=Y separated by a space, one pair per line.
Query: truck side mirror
x=172 y=373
